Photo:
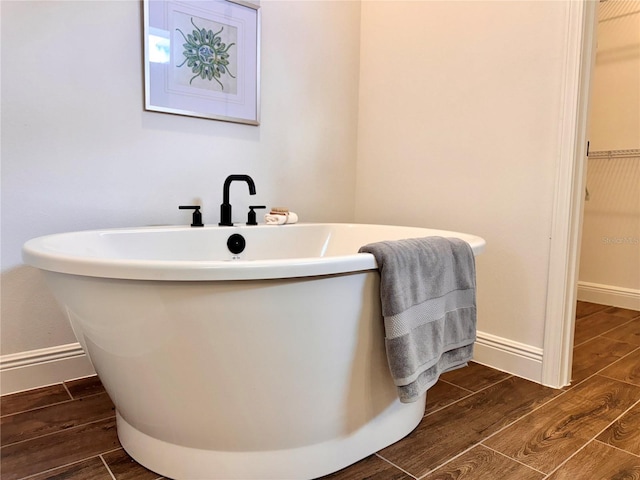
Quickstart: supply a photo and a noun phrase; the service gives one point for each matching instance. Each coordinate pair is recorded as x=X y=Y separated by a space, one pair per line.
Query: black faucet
x=225 y=208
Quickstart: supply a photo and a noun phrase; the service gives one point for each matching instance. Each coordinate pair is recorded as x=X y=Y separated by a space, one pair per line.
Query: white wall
x=459 y=129
x=79 y=152
x=610 y=253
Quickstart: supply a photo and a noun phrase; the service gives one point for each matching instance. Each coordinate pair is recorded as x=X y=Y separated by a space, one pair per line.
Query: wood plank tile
x=92 y=469
x=474 y=376
x=623 y=312
x=599 y=461
x=124 y=467
x=554 y=432
x=546 y=438
x=371 y=468
x=83 y=387
x=30 y=399
x=600 y=388
x=629 y=332
x=46 y=420
x=627 y=369
x=587 y=308
x=443 y=394
x=450 y=431
x=52 y=451
x=624 y=433
x=596 y=324
x=596 y=354
x=481 y=463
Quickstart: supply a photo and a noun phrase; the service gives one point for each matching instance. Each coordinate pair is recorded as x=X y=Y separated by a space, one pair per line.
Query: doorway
x=566 y=224
x=566 y=231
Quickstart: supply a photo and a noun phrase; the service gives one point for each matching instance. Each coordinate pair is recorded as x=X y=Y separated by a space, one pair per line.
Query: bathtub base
x=308 y=462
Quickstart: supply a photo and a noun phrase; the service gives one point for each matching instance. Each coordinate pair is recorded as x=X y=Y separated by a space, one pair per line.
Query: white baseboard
x=609 y=295
x=509 y=356
x=39 y=368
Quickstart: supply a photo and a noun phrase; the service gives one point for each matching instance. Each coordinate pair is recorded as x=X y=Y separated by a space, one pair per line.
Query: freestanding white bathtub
x=268 y=364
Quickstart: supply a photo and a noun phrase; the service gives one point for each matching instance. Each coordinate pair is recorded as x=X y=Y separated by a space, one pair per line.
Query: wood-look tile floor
x=479 y=424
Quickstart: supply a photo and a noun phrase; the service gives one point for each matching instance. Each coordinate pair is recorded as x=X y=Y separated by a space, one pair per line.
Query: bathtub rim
x=36 y=254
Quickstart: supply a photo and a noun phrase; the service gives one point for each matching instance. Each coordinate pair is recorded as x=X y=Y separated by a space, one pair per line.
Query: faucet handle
x=251 y=218
x=197 y=216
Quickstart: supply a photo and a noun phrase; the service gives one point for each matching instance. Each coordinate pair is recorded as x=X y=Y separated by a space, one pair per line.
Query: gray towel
x=428 y=295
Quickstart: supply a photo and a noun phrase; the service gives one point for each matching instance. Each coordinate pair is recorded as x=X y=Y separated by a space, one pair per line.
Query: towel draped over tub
x=428 y=296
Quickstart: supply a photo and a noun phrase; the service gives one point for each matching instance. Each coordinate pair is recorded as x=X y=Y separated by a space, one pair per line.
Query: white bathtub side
x=225 y=380
x=271 y=366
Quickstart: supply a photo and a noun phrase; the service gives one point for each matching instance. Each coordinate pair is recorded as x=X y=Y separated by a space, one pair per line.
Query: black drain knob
x=236 y=243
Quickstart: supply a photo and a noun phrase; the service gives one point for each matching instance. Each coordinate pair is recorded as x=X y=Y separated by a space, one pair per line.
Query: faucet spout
x=225 y=208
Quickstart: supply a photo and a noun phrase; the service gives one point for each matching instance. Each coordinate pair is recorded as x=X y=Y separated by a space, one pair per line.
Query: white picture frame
x=202 y=59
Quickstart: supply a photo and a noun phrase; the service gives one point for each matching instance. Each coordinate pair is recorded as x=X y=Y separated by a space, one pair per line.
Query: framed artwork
x=202 y=59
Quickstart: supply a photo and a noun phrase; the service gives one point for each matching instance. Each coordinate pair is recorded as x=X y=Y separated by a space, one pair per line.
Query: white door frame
x=566 y=227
